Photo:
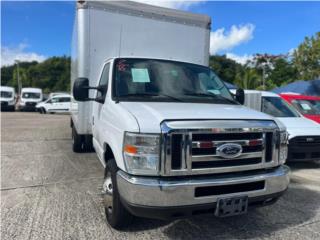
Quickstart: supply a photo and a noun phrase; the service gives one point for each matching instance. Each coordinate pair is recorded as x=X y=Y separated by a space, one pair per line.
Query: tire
x=42 y=110
x=76 y=141
x=117 y=215
x=87 y=144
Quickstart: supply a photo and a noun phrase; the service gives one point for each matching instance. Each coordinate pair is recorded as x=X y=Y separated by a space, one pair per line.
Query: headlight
x=283 y=147
x=12 y=102
x=22 y=103
x=141 y=153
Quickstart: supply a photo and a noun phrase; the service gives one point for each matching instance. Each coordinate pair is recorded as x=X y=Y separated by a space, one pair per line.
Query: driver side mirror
x=239 y=96
x=81 y=89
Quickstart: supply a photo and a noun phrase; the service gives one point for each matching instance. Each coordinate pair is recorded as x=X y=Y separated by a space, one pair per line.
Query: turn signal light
x=130 y=149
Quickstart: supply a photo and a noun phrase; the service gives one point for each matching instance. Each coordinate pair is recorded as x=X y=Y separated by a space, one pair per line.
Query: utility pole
x=19 y=82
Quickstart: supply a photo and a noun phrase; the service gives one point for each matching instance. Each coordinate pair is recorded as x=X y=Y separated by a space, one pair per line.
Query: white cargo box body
x=105 y=30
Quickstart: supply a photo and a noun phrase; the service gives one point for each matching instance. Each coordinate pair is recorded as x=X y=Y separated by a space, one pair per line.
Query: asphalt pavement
x=49 y=192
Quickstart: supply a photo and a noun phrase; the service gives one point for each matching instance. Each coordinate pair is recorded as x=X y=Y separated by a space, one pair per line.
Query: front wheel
x=117 y=216
x=43 y=110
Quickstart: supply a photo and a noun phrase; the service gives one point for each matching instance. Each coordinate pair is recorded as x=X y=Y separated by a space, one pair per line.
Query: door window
x=54 y=100
x=65 y=99
x=103 y=83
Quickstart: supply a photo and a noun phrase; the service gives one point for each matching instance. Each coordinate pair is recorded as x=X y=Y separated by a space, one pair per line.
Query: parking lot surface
x=49 y=192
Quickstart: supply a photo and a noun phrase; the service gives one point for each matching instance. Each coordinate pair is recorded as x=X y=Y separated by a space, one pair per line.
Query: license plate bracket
x=231 y=206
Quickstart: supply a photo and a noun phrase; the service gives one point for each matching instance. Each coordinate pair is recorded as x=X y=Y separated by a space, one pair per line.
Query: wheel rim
x=108 y=193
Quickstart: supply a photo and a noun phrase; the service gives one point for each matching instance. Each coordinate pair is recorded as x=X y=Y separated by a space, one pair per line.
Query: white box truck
x=173 y=140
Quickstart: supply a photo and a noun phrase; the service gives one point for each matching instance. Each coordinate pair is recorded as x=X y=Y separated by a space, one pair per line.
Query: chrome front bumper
x=162 y=192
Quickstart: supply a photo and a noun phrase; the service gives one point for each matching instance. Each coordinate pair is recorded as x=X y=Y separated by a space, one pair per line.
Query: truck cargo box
x=105 y=30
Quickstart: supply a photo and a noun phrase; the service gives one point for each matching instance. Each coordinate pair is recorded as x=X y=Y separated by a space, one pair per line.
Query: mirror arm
x=95 y=88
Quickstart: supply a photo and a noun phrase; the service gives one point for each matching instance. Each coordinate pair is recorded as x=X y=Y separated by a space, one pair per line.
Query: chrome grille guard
x=180 y=154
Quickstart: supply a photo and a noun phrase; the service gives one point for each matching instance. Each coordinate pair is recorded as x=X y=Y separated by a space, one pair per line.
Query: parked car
x=8 y=98
x=57 y=104
x=304 y=134
x=172 y=139
x=308 y=106
x=29 y=99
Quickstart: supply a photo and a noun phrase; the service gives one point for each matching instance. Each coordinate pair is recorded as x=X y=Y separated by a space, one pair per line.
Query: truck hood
x=149 y=115
x=300 y=126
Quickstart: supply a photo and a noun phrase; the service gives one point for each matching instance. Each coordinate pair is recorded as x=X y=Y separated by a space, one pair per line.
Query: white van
x=56 y=104
x=29 y=99
x=304 y=134
x=7 y=98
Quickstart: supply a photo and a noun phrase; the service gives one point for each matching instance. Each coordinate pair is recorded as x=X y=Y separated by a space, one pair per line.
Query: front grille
x=305 y=141
x=304 y=148
x=198 y=151
x=226 y=163
x=30 y=104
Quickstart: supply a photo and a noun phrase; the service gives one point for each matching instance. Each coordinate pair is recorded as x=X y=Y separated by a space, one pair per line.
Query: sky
x=38 y=30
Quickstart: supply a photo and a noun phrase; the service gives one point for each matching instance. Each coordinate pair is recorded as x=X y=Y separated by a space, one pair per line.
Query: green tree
x=283 y=72
x=248 y=78
x=51 y=75
x=306 y=58
x=225 y=68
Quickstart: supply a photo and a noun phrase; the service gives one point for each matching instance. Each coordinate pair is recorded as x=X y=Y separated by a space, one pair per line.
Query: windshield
x=277 y=107
x=30 y=95
x=160 y=80
x=5 y=94
x=307 y=106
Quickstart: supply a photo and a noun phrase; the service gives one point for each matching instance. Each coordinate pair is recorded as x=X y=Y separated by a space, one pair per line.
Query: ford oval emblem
x=229 y=150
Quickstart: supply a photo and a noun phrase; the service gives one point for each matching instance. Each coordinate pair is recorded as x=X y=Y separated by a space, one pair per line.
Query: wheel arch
x=108 y=153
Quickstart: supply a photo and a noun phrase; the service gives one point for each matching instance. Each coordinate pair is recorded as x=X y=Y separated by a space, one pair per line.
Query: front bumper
x=6 y=106
x=29 y=107
x=146 y=192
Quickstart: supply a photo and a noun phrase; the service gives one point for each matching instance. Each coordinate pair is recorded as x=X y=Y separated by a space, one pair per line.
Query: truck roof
x=263 y=93
x=149 y=11
x=6 y=88
x=31 y=90
x=298 y=96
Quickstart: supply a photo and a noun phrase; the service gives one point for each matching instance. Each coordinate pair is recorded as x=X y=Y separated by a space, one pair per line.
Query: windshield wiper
x=151 y=95
x=211 y=95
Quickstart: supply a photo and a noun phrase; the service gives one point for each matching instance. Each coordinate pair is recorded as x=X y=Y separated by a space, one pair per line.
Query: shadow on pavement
x=297 y=206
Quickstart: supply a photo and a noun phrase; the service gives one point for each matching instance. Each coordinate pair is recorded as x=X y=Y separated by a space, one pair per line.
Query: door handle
x=92 y=120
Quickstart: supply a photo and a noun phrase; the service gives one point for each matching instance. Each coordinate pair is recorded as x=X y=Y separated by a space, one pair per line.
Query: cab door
x=64 y=104
x=98 y=128
x=53 y=104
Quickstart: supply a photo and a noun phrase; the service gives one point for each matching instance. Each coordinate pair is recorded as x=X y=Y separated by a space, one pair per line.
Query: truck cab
x=29 y=99
x=304 y=134
x=173 y=140
x=8 y=98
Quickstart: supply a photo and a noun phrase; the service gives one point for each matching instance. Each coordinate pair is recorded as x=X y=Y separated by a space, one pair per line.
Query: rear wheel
x=117 y=216
x=87 y=143
x=76 y=141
